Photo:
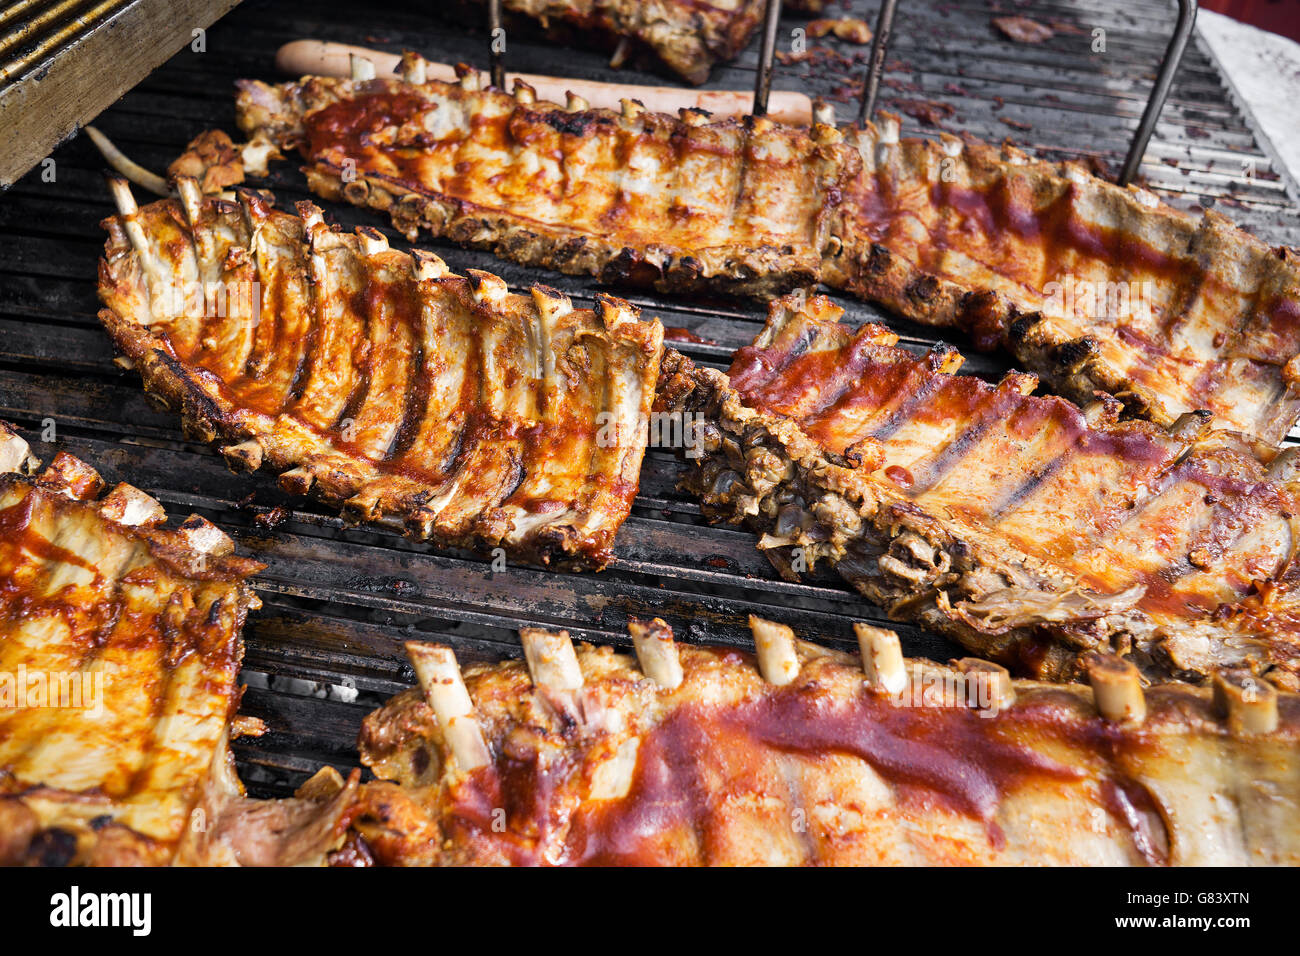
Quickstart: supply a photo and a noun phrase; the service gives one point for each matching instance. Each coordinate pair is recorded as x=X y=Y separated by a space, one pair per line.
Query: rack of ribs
x=380 y=381
x=632 y=197
x=1028 y=529
x=799 y=754
x=1092 y=286
x=119 y=650
x=686 y=36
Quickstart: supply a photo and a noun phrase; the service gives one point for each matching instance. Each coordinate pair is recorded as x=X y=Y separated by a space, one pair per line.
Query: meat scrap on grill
x=686 y=36
x=800 y=754
x=1024 y=527
x=381 y=381
x=1092 y=286
x=119 y=650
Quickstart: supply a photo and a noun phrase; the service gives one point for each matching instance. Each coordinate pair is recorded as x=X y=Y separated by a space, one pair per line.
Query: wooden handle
x=319 y=58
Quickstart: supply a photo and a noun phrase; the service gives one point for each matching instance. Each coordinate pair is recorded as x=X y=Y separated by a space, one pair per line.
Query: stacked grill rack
x=327 y=646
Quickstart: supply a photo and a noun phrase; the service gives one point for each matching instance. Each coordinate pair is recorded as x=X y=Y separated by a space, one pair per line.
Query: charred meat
x=1026 y=528
x=802 y=755
x=634 y=198
x=119 y=650
x=382 y=382
x=1092 y=286
x=686 y=37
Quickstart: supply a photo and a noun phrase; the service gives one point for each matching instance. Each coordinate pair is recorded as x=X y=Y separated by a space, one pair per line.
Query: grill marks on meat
x=634 y=197
x=389 y=386
x=687 y=36
x=1027 y=529
x=730 y=768
x=1092 y=286
x=119 y=649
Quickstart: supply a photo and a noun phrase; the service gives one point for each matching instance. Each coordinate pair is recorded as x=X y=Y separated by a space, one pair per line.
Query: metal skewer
x=1160 y=92
x=498 y=68
x=763 y=82
x=876 y=64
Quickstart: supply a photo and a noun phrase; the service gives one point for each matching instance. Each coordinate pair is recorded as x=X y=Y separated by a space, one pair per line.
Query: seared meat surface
x=381 y=381
x=633 y=198
x=119 y=650
x=1092 y=286
x=1024 y=527
x=686 y=36
x=797 y=756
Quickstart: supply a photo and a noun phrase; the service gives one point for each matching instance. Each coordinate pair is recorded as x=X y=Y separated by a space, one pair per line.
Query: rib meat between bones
x=1092 y=286
x=633 y=197
x=380 y=380
x=698 y=756
x=686 y=36
x=119 y=650
x=1028 y=529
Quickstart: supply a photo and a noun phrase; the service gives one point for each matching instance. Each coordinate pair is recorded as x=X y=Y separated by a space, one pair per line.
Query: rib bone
x=444 y=689
x=727 y=767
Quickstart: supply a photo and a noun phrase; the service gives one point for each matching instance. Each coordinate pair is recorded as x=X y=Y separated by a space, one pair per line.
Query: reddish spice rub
x=727 y=769
x=384 y=383
x=830 y=390
x=1093 y=287
x=1015 y=523
x=631 y=197
x=133 y=630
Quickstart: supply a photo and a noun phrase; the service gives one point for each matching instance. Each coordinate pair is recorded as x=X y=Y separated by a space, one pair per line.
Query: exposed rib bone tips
x=362 y=69
x=656 y=652
x=245 y=456
x=1116 y=688
x=293 y=342
x=774 y=644
x=444 y=689
x=525 y=95
x=413 y=70
x=551 y=659
x=1247 y=701
x=15 y=453
x=487 y=288
x=203 y=536
x=1191 y=425
x=428 y=266
x=297 y=481
x=372 y=241
x=191 y=198
x=128 y=505
x=882 y=658
x=121 y=193
x=997 y=692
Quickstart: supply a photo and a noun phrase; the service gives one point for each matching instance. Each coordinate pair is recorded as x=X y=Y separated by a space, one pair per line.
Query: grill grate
x=339 y=601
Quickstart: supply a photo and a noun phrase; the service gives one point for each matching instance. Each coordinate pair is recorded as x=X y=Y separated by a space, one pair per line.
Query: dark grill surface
x=339 y=602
